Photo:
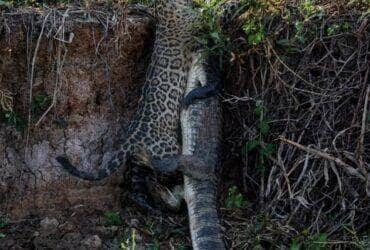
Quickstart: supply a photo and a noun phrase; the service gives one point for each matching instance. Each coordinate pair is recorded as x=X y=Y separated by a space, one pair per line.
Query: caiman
x=201 y=133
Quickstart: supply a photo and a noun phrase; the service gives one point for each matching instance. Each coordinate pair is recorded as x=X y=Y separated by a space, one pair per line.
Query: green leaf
x=268 y=150
x=346 y=26
x=234 y=199
x=240 y=202
x=2 y=235
x=295 y=245
x=228 y=203
x=264 y=127
x=113 y=219
x=256 y=38
x=259 y=108
x=232 y=190
x=319 y=241
x=263 y=152
x=252 y=144
x=249 y=27
x=330 y=31
x=215 y=36
x=293 y=50
x=4 y=221
x=261 y=169
x=299 y=26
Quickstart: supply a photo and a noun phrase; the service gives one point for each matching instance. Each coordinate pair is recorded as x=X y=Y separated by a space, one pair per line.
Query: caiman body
x=201 y=133
x=199 y=161
x=201 y=128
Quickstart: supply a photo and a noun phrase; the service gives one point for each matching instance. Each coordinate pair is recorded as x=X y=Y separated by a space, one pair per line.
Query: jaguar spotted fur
x=153 y=131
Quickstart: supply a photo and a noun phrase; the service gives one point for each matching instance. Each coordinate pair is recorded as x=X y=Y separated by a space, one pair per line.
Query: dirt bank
x=73 y=77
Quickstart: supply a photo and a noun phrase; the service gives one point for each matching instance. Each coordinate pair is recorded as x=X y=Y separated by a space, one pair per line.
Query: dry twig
x=322 y=154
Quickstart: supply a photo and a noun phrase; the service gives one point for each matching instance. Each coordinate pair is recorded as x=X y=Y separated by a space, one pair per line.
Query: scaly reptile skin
x=201 y=126
x=201 y=131
x=152 y=133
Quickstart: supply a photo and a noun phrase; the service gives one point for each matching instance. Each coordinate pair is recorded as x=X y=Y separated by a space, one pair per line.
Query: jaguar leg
x=169 y=198
x=139 y=195
x=190 y=165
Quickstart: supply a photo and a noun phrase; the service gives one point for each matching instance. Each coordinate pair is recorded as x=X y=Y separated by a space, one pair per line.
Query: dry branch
x=322 y=154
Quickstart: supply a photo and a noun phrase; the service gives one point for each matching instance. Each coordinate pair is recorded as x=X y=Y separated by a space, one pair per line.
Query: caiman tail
x=205 y=229
x=118 y=160
x=201 y=131
x=201 y=126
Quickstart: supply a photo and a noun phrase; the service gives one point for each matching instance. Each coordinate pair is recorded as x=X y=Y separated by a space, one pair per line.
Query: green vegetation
x=234 y=199
x=13 y=118
x=285 y=55
x=253 y=24
x=4 y=221
x=154 y=246
x=318 y=241
x=129 y=241
x=39 y=103
x=258 y=145
x=113 y=219
x=210 y=31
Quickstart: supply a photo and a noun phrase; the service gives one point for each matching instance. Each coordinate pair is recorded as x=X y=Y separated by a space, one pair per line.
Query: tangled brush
x=297 y=102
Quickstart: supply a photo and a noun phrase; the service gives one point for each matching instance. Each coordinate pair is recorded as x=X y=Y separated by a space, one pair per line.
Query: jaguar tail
x=117 y=161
